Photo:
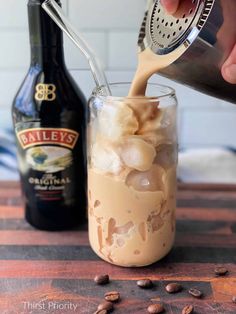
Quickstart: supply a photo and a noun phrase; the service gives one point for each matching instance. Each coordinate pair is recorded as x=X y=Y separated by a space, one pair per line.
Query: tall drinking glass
x=132 y=158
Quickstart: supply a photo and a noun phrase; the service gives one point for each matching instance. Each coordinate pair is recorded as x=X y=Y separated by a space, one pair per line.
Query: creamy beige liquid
x=149 y=64
x=132 y=176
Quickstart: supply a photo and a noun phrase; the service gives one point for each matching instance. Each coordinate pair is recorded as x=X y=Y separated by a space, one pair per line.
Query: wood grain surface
x=52 y=272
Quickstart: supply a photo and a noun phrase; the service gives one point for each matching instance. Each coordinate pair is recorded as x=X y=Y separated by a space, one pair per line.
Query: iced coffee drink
x=132 y=157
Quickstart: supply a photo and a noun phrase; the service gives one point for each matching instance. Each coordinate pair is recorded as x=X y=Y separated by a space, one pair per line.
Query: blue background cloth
x=8 y=161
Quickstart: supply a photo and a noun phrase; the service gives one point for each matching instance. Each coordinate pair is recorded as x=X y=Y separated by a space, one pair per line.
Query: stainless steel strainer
x=206 y=30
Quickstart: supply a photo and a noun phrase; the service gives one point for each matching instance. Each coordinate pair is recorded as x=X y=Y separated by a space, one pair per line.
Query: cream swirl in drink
x=132 y=177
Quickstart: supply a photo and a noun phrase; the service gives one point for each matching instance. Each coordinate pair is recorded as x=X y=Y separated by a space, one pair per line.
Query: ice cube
x=105 y=158
x=116 y=120
x=166 y=155
x=168 y=123
x=170 y=185
x=155 y=138
x=137 y=154
x=151 y=180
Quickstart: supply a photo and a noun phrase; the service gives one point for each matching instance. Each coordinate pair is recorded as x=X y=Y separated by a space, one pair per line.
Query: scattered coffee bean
x=112 y=296
x=221 y=271
x=234 y=299
x=155 y=309
x=195 y=293
x=101 y=279
x=145 y=283
x=173 y=287
x=108 y=306
x=101 y=312
x=188 y=309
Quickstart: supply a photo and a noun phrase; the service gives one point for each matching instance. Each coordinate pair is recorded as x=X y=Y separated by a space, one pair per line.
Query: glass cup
x=132 y=159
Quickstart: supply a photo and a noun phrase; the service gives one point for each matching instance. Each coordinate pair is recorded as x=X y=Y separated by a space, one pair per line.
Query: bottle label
x=45 y=136
x=48 y=156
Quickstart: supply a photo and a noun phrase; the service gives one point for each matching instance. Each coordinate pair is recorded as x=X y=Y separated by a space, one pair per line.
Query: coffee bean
x=112 y=296
x=195 y=293
x=145 y=283
x=101 y=279
x=221 y=271
x=234 y=299
x=173 y=287
x=188 y=309
x=108 y=306
x=101 y=312
x=155 y=309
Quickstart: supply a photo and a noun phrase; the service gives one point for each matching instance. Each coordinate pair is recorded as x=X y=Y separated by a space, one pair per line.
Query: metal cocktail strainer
x=206 y=30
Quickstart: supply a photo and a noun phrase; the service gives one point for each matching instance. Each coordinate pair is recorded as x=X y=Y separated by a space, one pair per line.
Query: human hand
x=228 y=69
x=171 y=6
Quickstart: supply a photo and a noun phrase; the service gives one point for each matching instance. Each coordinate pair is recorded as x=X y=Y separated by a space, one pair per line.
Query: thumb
x=229 y=68
x=171 y=6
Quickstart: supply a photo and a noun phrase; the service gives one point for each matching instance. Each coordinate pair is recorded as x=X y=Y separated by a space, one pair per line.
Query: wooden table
x=58 y=268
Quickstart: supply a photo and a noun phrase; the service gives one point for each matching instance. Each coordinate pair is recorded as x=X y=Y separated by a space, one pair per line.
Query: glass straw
x=59 y=17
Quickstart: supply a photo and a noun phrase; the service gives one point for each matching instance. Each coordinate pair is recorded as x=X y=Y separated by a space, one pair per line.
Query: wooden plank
x=210 y=197
x=10 y=200
x=10 y=192
x=224 y=289
x=205 y=227
x=15 y=224
x=181 y=202
x=201 y=213
x=190 y=201
x=181 y=186
x=9 y=185
x=7 y=212
x=206 y=187
x=204 y=240
x=183 y=226
x=87 y=288
x=84 y=306
x=207 y=203
x=206 y=194
x=36 y=237
x=88 y=269
x=85 y=295
x=82 y=253
x=80 y=291
x=22 y=224
x=208 y=191
x=206 y=214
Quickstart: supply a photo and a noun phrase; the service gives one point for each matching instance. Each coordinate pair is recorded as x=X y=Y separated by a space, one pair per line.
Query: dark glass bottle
x=49 y=117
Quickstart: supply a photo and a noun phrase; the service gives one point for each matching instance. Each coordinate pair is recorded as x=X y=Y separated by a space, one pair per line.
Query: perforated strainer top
x=166 y=31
